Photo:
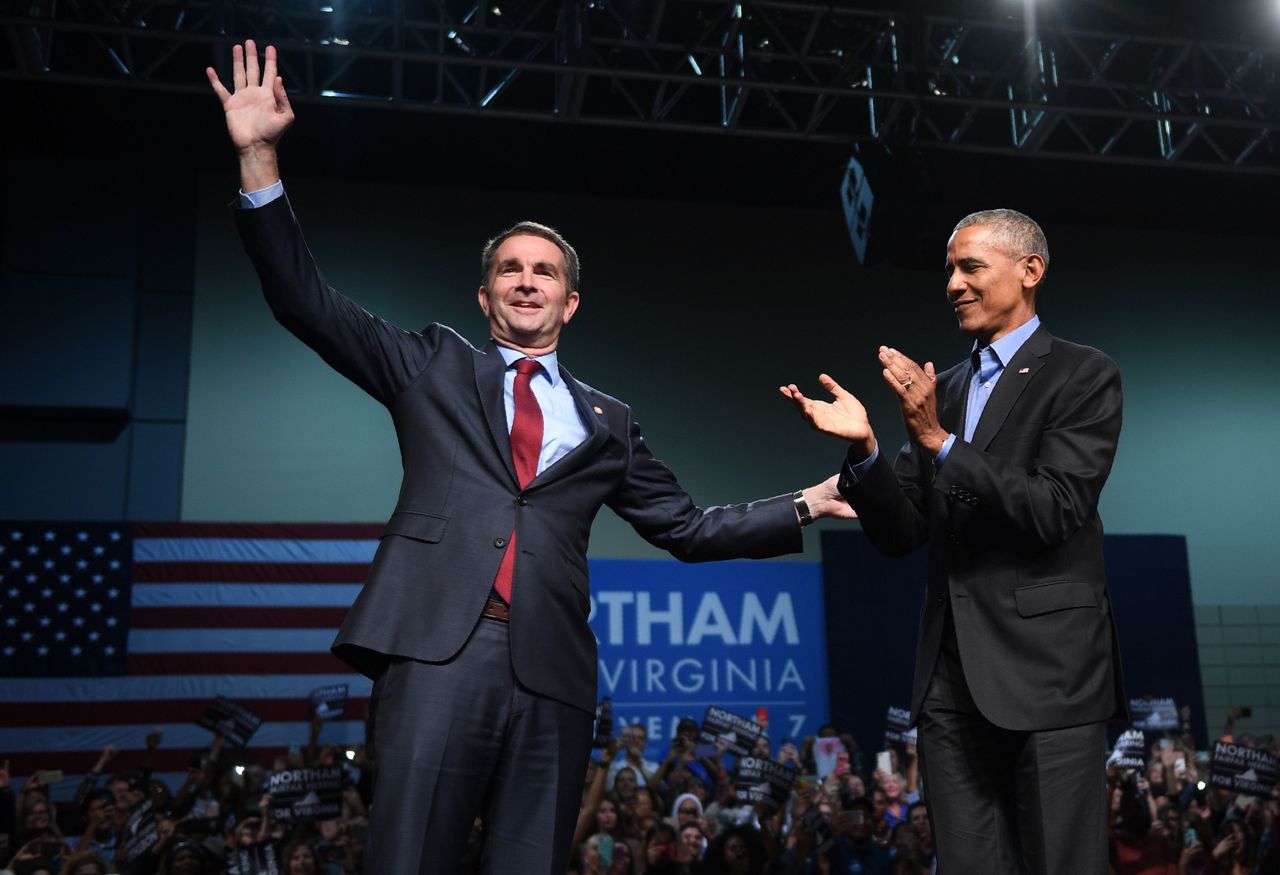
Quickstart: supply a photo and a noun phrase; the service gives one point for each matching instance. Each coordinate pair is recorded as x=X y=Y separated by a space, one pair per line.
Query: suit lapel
x=1017 y=374
x=490 y=368
x=954 y=398
x=597 y=433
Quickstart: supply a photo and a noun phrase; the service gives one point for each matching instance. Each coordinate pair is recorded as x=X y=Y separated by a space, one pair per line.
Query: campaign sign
x=760 y=780
x=253 y=860
x=738 y=733
x=1243 y=769
x=896 y=723
x=1130 y=751
x=1154 y=713
x=826 y=754
x=306 y=794
x=329 y=703
x=234 y=721
x=141 y=832
x=677 y=639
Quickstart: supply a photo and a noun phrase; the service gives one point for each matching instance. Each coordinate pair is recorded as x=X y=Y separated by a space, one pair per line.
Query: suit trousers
x=461 y=739
x=1005 y=802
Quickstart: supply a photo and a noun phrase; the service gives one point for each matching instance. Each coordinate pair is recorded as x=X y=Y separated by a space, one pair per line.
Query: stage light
x=1200 y=785
x=855 y=195
x=239 y=770
x=351 y=754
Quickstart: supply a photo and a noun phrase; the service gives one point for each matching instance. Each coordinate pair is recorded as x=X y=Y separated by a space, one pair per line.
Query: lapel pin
x=598 y=410
x=1025 y=371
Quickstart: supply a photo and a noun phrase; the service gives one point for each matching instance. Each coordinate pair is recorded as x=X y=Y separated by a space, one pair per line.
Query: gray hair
x=534 y=229
x=1015 y=233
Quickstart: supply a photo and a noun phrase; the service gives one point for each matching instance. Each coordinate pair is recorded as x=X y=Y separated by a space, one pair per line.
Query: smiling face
x=991 y=290
x=526 y=298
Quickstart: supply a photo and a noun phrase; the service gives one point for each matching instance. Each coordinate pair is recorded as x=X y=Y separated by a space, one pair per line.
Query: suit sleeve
x=891 y=500
x=652 y=501
x=1045 y=504
x=374 y=354
x=1037 y=505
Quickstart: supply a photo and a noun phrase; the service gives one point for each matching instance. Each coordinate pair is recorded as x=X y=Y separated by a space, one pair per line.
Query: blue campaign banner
x=675 y=639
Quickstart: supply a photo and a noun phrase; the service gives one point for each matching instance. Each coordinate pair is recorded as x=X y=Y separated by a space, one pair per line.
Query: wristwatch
x=802 y=508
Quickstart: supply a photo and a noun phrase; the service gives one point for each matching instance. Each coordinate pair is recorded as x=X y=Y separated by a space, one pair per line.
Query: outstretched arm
x=257 y=111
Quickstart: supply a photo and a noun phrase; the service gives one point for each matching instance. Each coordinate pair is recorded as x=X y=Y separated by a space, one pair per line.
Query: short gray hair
x=534 y=229
x=1014 y=232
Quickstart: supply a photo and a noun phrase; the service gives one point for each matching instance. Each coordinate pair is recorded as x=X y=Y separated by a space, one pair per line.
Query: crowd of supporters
x=680 y=813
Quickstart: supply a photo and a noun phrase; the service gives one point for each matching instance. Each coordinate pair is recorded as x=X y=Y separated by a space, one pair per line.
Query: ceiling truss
x=770 y=68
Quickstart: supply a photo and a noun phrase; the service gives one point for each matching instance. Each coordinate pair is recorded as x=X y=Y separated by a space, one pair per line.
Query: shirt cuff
x=855 y=471
x=942 y=453
x=251 y=200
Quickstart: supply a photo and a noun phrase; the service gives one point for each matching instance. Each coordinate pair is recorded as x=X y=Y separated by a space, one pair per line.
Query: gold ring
x=906 y=384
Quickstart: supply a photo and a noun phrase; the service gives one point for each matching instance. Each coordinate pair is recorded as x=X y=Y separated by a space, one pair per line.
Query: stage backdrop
x=873 y=607
x=112 y=631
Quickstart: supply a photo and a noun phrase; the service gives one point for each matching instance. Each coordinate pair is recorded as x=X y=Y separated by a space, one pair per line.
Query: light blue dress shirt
x=992 y=362
x=562 y=425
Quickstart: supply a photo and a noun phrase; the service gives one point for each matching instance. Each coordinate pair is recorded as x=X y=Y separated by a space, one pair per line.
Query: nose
x=955 y=285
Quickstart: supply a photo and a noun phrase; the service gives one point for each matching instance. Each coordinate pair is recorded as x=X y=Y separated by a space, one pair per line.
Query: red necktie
x=526 y=447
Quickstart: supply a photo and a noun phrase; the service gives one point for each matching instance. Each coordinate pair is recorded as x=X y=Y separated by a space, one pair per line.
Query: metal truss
x=765 y=68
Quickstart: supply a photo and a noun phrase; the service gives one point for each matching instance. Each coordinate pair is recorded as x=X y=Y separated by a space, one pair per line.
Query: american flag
x=110 y=631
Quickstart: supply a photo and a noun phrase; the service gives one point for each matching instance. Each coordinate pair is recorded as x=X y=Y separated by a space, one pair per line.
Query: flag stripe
x=239 y=595
x=262 y=641
x=94 y=738
x=153 y=711
x=250 y=572
x=207 y=687
x=250 y=550
x=271 y=618
x=328 y=531
x=234 y=663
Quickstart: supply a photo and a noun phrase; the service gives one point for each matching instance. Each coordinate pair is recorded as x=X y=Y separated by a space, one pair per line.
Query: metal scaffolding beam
x=769 y=68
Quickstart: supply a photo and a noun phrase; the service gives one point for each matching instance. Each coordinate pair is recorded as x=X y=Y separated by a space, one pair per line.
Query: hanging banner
x=744 y=637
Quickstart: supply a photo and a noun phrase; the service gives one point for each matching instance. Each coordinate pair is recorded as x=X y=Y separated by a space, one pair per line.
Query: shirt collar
x=550 y=364
x=1007 y=347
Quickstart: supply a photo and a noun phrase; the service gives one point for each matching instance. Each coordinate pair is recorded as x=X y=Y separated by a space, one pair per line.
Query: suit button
x=941 y=600
x=499 y=542
x=521 y=500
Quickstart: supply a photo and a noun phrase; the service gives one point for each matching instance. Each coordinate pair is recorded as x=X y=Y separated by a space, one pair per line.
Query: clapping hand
x=843 y=417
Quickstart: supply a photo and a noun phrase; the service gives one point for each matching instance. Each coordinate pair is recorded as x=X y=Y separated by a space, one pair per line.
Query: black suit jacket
x=1015 y=540
x=460 y=499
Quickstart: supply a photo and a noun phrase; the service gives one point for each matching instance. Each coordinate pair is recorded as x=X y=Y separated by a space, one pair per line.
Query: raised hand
x=916 y=388
x=844 y=417
x=258 y=111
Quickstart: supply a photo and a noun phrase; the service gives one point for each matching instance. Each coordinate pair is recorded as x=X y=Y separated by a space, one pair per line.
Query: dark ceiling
x=177 y=133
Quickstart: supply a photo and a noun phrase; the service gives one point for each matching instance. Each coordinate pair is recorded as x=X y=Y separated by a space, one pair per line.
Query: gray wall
x=96 y=273
x=694 y=314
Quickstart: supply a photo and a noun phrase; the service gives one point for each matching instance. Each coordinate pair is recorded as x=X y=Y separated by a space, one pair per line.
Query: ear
x=1033 y=273
x=483 y=296
x=570 y=307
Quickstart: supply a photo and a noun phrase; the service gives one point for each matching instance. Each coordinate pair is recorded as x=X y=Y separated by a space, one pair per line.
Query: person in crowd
x=858 y=847
x=99 y=835
x=922 y=827
x=1137 y=849
x=693 y=844
x=36 y=818
x=633 y=739
x=300 y=858
x=661 y=848
x=84 y=863
x=737 y=850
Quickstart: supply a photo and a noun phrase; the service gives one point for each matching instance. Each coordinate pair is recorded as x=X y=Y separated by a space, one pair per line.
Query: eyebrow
x=549 y=266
